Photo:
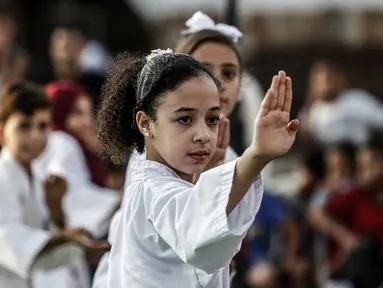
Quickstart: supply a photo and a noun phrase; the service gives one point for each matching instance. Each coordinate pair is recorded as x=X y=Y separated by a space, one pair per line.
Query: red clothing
x=63 y=96
x=355 y=210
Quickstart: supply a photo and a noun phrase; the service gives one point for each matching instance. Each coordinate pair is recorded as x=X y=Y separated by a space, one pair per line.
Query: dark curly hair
x=135 y=84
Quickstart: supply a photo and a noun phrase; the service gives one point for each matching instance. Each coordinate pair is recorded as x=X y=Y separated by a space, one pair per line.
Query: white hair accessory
x=157 y=52
x=200 y=21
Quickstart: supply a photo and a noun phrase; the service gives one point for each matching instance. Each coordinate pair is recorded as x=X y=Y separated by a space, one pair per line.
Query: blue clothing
x=269 y=218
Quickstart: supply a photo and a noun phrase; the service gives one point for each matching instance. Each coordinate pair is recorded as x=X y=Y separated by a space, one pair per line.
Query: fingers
x=281 y=90
x=293 y=127
x=270 y=99
x=221 y=130
x=226 y=134
x=289 y=95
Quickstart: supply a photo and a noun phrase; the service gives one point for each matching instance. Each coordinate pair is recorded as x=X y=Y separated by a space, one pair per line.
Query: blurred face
x=25 y=136
x=184 y=135
x=65 y=50
x=338 y=168
x=326 y=83
x=305 y=178
x=224 y=62
x=80 y=120
x=370 y=169
x=7 y=31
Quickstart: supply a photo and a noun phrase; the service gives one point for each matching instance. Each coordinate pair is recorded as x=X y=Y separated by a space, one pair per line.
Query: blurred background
x=330 y=48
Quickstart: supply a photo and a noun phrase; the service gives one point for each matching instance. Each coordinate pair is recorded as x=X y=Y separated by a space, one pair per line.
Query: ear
x=143 y=123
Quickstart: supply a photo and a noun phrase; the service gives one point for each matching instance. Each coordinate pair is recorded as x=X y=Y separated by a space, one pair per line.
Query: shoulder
x=63 y=142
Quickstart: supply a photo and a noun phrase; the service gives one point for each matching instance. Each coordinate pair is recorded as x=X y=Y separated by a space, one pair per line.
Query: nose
x=201 y=134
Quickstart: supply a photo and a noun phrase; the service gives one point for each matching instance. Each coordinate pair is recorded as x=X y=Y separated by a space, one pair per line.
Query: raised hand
x=55 y=190
x=223 y=142
x=274 y=133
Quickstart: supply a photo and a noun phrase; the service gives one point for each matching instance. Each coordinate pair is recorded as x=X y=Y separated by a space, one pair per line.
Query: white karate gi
x=172 y=233
x=22 y=237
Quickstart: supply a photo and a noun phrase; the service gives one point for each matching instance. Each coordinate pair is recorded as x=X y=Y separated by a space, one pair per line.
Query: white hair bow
x=200 y=21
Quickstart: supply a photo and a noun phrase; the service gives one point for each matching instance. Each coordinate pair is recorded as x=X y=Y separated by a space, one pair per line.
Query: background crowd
x=321 y=219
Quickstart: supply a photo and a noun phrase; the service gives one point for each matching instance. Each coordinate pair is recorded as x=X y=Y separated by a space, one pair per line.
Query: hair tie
x=157 y=52
x=200 y=21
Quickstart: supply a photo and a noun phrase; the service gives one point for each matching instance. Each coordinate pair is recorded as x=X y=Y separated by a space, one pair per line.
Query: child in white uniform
x=26 y=248
x=216 y=46
x=172 y=233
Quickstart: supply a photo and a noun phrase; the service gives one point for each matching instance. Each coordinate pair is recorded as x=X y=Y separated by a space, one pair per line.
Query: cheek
x=232 y=90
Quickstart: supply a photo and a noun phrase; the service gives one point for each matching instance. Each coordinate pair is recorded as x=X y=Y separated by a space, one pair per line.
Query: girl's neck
x=154 y=156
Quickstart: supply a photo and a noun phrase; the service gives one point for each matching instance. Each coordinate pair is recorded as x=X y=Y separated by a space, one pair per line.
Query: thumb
x=293 y=126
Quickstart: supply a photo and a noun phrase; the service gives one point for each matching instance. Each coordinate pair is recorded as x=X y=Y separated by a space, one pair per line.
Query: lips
x=200 y=155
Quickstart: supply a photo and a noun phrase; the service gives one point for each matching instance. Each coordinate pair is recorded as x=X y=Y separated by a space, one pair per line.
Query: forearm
x=247 y=169
x=326 y=224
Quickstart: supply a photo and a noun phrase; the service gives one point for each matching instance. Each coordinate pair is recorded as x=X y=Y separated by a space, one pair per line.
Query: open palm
x=274 y=132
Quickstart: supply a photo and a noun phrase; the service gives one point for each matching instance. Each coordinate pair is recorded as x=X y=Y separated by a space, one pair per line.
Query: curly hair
x=136 y=84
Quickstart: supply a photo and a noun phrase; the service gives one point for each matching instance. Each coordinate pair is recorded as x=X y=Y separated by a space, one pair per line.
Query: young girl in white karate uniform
x=214 y=45
x=172 y=233
x=26 y=248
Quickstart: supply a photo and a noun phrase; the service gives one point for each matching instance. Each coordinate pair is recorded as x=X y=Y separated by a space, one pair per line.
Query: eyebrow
x=188 y=109
x=225 y=65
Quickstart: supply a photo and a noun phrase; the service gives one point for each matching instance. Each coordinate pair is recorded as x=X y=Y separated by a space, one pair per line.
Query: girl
x=26 y=248
x=170 y=230
x=71 y=154
x=216 y=46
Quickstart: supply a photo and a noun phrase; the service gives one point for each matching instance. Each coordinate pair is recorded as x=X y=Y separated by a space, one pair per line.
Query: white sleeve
x=66 y=159
x=193 y=220
x=101 y=274
x=91 y=207
x=20 y=244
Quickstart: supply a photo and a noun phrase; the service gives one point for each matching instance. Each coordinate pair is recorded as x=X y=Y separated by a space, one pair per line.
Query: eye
x=184 y=120
x=25 y=125
x=43 y=126
x=229 y=74
x=214 y=120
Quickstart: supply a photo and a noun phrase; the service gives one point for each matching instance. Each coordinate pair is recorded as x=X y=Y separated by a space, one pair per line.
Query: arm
x=86 y=204
x=21 y=245
x=331 y=219
x=195 y=221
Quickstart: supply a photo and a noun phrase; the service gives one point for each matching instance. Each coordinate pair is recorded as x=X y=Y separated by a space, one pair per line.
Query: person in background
x=66 y=50
x=311 y=172
x=340 y=163
x=335 y=113
x=14 y=60
x=27 y=249
x=359 y=215
x=72 y=154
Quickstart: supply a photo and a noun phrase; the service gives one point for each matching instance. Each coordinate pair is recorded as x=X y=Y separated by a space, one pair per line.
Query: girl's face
x=80 y=120
x=224 y=62
x=26 y=136
x=184 y=135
